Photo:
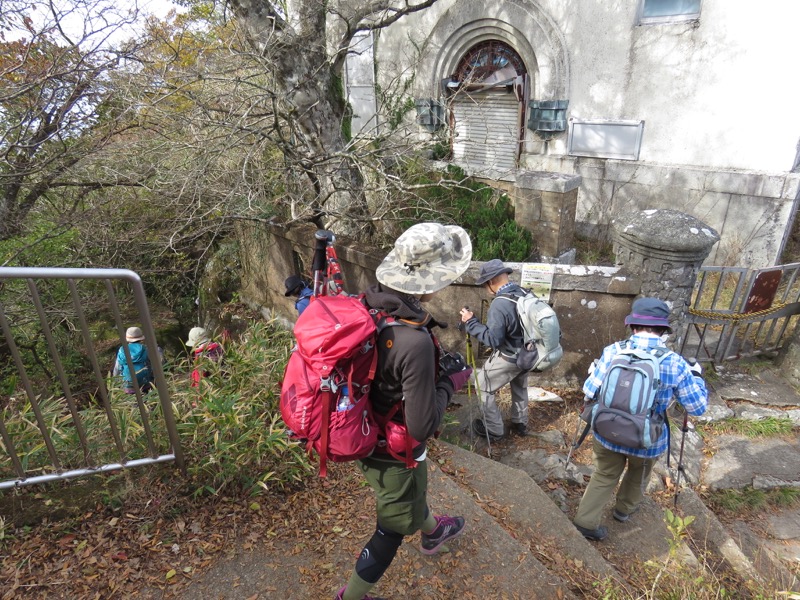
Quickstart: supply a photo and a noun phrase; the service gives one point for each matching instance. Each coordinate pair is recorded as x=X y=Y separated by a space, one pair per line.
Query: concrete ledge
x=547 y=181
x=484 y=543
x=708 y=531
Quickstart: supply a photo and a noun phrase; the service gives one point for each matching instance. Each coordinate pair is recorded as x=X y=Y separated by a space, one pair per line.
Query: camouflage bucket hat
x=426 y=258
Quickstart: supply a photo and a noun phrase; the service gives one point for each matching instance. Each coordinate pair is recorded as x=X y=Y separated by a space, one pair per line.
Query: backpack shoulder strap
x=661 y=354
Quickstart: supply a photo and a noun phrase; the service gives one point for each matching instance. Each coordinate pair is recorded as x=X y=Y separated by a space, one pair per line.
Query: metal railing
x=738 y=313
x=18 y=285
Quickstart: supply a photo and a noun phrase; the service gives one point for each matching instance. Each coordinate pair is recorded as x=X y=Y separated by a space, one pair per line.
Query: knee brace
x=378 y=554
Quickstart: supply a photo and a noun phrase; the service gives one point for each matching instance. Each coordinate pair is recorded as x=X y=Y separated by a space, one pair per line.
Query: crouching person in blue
x=678 y=379
x=134 y=338
x=299 y=289
x=426 y=258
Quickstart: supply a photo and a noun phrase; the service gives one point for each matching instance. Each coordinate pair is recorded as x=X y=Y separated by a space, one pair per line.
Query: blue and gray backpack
x=625 y=411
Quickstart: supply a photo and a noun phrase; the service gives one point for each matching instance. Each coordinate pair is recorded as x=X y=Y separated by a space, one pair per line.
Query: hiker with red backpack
x=203 y=348
x=426 y=258
x=627 y=395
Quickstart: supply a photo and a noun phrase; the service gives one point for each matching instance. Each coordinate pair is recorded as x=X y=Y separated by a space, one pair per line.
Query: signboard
x=537 y=277
x=762 y=292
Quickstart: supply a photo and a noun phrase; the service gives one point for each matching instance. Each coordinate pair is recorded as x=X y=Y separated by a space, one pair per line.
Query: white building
x=683 y=104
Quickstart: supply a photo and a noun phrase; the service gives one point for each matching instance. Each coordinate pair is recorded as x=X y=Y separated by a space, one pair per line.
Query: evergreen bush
x=485 y=213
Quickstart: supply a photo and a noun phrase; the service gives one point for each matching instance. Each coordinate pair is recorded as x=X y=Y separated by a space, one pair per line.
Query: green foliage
x=440 y=151
x=767 y=427
x=42 y=245
x=750 y=499
x=678 y=527
x=230 y=429
x=485 y=213
x=595 y=252
x=784 y=497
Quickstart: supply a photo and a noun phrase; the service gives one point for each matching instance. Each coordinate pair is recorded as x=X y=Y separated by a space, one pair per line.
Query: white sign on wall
x=537 y=277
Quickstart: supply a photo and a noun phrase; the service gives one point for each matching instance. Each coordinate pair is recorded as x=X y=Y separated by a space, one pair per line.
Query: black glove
x=451 y=363
x=455 y=368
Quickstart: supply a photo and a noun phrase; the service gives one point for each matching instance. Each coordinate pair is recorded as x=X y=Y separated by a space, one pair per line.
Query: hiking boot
x=447 y=528
x=596 y=535
x=340 y=595
x=621 y=516
x=479 y=428
x=520 y=429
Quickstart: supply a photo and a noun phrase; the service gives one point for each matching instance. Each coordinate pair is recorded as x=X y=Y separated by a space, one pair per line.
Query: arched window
x=486 y=98
x=488 y=64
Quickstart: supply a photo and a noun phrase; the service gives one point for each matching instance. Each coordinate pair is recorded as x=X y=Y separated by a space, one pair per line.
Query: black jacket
x=408 y=365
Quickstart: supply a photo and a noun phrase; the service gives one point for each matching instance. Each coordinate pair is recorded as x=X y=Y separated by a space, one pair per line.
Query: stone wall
x=750 y=211
x=591 y=302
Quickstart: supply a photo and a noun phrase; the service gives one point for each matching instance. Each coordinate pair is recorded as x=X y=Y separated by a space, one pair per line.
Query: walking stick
x=319 y=261
x=576 y=443
x=684 y=429
x=471 y=363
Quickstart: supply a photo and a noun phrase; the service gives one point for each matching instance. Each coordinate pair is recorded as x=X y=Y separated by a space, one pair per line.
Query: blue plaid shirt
x=676 y=380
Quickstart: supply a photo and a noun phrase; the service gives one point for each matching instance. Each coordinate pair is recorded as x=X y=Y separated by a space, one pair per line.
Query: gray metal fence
x=51 y=430
x=738 y=313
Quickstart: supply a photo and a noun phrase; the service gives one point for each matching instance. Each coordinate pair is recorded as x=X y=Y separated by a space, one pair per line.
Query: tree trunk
x=309 y=84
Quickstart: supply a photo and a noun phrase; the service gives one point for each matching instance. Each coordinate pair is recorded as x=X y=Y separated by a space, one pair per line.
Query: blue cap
x=649 y=312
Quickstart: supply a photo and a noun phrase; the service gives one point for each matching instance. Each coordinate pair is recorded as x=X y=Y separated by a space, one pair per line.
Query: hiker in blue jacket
x=649 y=323
x=134 y=338
x=300 y=289
x=504 y=335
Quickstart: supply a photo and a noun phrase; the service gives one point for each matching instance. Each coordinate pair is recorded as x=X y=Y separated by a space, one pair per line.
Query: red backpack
x=336 y=337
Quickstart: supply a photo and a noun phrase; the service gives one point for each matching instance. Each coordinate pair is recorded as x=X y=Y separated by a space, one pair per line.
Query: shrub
x=230 y=428
x=485 y=213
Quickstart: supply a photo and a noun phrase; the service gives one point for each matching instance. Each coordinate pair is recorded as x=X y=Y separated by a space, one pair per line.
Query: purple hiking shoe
x=340 y=595
x=447 y=528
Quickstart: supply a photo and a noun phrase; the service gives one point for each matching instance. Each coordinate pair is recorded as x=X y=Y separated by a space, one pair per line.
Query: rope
x=736 y=317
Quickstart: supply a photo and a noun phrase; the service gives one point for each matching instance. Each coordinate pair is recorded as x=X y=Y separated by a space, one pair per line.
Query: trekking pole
x=684 y=429
x=574 y=445
x=576 y=442
x=471 y=363
x=334 y=271
x=319 y=260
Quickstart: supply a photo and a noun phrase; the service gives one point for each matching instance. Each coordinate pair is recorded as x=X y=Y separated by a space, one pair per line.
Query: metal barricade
x=738 y=313
x=111 y=449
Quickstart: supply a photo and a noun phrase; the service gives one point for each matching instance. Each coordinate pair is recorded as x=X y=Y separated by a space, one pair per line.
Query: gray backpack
x=624 y=413
x=541 y=349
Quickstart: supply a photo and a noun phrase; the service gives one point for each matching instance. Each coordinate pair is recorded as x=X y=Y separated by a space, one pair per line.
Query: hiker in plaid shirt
x=678 y=379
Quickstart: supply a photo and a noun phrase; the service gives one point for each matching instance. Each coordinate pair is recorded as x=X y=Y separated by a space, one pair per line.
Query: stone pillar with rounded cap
x=665 y=249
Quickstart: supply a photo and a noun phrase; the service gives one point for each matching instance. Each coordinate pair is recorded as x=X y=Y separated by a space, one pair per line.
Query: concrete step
x=492 y=562
x=737 y=546
x=521 y=507
x=645 y=537
x=485 y=562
